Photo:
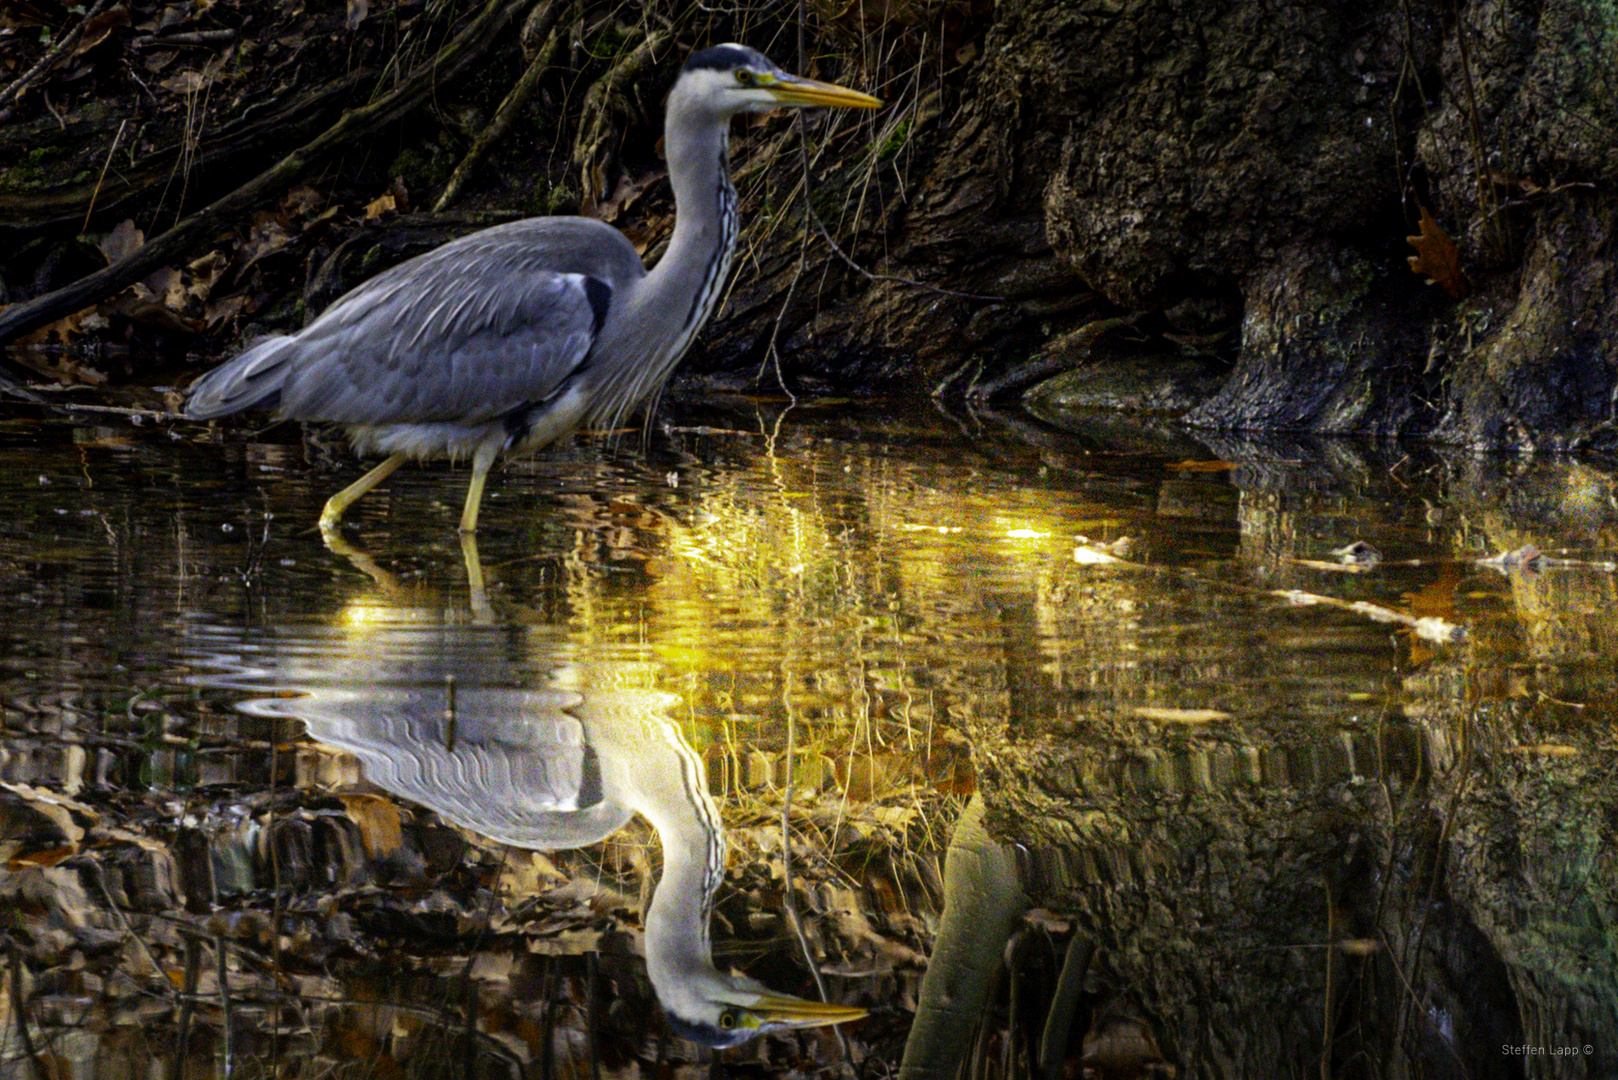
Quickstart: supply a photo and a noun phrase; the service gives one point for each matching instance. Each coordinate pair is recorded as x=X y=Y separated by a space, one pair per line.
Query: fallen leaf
x=123 y=241
x=382 y=204
x=205 y=274
x=151 y=311
x=381 y=823
x=186 y=82
x=357 y=10
x=302 y=201
x=23 y=13
x=47 y=857
x=166 y=285
x=226 y=310
x=100 y=28
x=69 y=326
x=645 y=236
x=1437 y=257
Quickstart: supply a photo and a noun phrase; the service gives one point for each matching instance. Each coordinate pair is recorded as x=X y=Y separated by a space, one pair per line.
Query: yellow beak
x=792 y=90
x=784 y=1010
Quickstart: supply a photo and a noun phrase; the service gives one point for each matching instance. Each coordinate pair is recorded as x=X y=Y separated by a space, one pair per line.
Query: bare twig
x=222 y=971
x=18 y=1006
x=598 y=112
x=111 y=150
x=512 y=106
x=20 y=85
x=454 y=59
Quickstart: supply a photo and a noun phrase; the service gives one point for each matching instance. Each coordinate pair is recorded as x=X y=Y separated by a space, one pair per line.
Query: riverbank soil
x=1395 y=218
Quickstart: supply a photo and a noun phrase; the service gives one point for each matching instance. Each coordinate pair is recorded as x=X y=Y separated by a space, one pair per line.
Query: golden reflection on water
x=1087 y=635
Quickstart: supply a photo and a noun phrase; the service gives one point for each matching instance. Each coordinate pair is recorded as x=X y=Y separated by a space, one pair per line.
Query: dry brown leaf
x=22 y=13
x=69 y=326
x=226 y=310
x=101 y=27
x=166 y=285
x=269 y=234
x=186 y=82
x=46 y=857
x=152 y=311
x=357 y=10
x=381 y=823
x=123 y=241
x=646 y=235
x=302 y=201
x=205 y=274
x=1437 y=257
x=382 y=204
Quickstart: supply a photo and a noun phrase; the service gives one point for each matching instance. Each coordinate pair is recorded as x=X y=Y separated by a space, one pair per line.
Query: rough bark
x=1260 y=165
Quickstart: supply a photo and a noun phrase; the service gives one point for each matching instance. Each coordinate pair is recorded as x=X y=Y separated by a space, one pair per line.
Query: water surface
x=1120 y=638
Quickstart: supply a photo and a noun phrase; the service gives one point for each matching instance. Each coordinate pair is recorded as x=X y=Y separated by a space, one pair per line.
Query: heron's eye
x=744 y=76
x=727 y=1020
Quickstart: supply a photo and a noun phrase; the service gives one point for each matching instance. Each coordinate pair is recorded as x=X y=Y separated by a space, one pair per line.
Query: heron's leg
x=363 y=562
x=338 y=503
x=482 y=462
x=482 y=613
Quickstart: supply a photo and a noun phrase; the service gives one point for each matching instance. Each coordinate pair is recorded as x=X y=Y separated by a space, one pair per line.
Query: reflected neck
x=677 y=803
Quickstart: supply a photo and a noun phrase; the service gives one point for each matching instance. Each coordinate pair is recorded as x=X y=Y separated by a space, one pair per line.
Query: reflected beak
x=792 y=90
x=784 y=1010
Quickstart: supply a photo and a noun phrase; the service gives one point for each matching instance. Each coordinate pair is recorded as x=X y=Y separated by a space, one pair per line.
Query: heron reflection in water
x=555 y=769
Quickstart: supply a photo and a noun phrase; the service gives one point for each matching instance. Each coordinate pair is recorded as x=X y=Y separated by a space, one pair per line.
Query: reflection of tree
x=1395 y=874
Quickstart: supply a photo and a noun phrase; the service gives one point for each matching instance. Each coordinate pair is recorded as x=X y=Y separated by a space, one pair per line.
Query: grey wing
x=517 y=768
x=468 y=332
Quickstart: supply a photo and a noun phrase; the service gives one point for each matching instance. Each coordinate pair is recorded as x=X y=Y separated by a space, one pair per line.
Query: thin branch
x=20 y=86
x=516 y=100
x=19 y=1003
x=452 y=60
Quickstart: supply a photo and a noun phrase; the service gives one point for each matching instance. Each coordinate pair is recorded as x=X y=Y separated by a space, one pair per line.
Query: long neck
x=674 y=798
x=697 y=262
x=673 y=302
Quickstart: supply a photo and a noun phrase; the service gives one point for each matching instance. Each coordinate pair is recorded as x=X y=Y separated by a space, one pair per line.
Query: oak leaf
x=1437 y=258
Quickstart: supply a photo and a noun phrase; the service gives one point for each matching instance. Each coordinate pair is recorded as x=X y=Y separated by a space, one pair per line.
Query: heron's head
x=720 y=1010
x=725 y=80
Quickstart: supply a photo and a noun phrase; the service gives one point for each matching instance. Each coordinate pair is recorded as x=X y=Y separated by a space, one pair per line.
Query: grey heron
x=535 y=768
x=515 y=336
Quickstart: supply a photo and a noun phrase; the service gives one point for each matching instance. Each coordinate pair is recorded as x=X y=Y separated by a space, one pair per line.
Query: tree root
x=485 y=29
x=65 y=205
x=1024 y=375
x=602 y=102
x=542 y=26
